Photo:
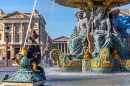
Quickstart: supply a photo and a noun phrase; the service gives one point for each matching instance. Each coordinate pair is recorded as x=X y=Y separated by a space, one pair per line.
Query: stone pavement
x=57 y=78
x=7 y=70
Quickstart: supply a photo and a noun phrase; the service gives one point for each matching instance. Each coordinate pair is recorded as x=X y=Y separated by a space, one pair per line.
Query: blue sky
x=63 y=18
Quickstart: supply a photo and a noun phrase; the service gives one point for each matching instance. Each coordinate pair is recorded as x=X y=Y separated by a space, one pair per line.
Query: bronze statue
x=31 y=51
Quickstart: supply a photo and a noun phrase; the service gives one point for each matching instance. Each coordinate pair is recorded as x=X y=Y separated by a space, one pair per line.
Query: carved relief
x=35 y=26
x=18 y=15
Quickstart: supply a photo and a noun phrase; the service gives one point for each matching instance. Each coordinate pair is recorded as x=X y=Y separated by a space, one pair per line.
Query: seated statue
x=75 y=42
x=33 y=48
x=31 y=51
x=102 y=28
x=118 y=40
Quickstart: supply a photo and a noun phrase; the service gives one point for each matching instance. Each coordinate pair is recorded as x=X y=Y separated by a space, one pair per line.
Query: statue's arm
x=89 y=24
x=78 y=27
x=108 y=27
x=86 y=22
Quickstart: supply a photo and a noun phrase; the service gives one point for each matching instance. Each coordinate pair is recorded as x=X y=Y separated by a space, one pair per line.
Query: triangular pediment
x=16 y=15
x=62 y=38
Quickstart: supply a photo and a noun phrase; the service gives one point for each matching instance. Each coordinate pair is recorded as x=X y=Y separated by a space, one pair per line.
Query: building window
x=26 y=26
x=0 y=36
x=17 y=38
x=9 y=25
x=9 y=38
x=27 y=38
x=17 y=26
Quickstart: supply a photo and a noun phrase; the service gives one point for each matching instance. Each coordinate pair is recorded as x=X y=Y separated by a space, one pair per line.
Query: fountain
x=97 y=45
x=28 y=58
x=29 y=73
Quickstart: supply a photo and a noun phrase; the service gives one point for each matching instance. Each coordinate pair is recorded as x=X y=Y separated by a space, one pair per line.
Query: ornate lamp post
x=6 y=45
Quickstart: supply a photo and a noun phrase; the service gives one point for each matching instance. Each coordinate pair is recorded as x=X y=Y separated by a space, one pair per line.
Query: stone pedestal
x=86 y=66
x=40 y=83
x=25 y=76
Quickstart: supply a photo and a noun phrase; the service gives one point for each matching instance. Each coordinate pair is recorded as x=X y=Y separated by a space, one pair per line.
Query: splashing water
x=56 y=77
x=50 y=22
x=30 y=23
x=56 y=71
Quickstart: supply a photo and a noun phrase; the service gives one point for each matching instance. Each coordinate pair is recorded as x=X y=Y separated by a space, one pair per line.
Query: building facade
x=18 y=24
x=61 y=43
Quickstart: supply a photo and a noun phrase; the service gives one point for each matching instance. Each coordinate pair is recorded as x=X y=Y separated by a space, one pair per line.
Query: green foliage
x=54 y=46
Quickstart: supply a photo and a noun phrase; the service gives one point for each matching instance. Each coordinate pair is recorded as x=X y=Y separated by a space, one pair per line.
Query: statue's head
x=75 y=30
x=79 y=14
x=114 y=13
x=32 y=35
x=100 y=13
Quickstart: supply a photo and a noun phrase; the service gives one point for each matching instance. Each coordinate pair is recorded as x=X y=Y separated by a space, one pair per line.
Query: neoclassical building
x=18 y=25
x=61 y=43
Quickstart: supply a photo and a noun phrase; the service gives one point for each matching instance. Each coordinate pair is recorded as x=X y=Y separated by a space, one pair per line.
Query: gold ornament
x=91 y=3
x=23 y=52
x=125 y=63
x=105 y=61
x=31 y=30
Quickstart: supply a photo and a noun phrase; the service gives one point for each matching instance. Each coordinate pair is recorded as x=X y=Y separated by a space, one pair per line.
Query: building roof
x=15 y=14
x=62 y=38
x=20 y=15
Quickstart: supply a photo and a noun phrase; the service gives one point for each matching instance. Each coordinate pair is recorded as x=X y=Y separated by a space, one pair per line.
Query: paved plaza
x=56 y=77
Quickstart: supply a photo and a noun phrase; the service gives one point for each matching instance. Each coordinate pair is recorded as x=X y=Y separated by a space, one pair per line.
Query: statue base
x=25 y=75
x=40 y=83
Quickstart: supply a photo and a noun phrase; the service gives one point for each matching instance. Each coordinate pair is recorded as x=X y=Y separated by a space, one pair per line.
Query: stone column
x=22 y=35
x=3 y=32
x=64 y=49
x=41 y=46
x=61 y=46
x=58 y=45
x=41 y=50
x=12 y=32
x=12 y=51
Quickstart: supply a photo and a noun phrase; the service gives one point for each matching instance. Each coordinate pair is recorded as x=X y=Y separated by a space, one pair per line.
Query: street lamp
x=6 y=45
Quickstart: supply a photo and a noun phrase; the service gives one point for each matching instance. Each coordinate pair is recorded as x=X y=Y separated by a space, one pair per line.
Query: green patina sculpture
x=97 y=38
x=25 y=75
x=28 y=60
x=118 y=40
x=75 y=42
